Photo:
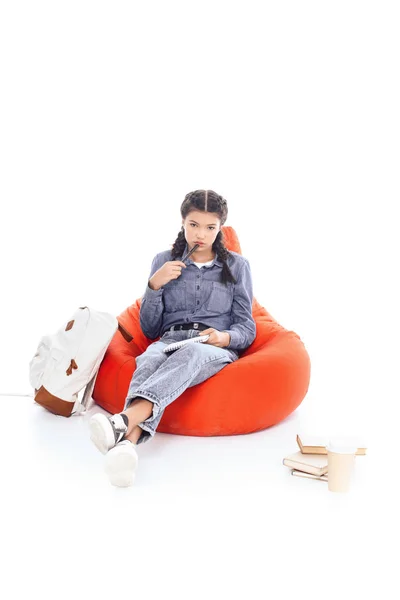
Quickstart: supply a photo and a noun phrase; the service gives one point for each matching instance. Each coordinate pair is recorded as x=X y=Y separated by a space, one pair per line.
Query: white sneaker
x=106 y=432
x=121 y=464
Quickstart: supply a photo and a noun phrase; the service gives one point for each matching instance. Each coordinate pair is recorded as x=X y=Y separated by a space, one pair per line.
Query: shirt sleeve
x=152 y=306
x=243 y=328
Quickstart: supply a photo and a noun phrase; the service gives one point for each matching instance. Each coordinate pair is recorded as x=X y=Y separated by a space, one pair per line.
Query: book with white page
x=309 y=475
x=309 y=463
x=175 y=345
x=316 y=444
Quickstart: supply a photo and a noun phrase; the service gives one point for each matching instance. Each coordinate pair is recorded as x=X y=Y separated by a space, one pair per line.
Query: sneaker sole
x=101 y=433
x=121 y=469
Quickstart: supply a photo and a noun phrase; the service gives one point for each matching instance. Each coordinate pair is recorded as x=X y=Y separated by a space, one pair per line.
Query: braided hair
x=207 y=201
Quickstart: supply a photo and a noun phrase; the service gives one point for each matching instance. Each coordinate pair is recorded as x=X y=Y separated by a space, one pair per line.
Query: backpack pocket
x=37 y=365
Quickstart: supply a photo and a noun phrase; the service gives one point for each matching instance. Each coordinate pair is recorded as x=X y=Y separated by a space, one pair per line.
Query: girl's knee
x=152 y=354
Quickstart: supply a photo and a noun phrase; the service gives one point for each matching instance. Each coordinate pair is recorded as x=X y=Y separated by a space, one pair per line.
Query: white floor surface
x=206 y=518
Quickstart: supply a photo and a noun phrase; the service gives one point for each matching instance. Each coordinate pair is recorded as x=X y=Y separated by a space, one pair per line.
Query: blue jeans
x=161 y=377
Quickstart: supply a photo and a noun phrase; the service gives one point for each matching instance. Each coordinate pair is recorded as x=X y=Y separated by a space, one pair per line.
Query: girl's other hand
x=221 y=339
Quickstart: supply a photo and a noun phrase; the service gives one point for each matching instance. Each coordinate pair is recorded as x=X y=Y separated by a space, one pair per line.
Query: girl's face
x=201 y=228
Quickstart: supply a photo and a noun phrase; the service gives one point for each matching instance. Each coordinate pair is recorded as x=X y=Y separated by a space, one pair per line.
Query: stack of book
x=311 y=460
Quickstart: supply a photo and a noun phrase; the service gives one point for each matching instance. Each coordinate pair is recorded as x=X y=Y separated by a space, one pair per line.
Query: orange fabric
x=265 y=385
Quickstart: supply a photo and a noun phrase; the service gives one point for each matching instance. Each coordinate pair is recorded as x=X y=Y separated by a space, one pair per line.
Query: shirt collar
x=216 y=260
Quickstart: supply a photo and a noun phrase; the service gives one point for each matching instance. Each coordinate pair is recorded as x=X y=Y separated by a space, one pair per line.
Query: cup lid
x=342 y=445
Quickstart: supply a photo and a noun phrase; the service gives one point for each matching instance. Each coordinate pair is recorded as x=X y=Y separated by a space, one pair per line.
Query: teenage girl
x=210 y=292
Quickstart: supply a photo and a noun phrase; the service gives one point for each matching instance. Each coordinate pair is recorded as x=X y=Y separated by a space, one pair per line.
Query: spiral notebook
x=176 y=345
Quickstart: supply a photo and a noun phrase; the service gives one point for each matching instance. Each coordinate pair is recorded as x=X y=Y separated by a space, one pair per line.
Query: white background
x=112 y=111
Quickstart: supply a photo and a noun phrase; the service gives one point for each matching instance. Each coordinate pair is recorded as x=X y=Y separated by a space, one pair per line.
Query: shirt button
x=198 y=287
x=197 y=276
x=198 y=301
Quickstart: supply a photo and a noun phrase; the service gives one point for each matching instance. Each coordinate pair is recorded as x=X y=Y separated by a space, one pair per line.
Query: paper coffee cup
x=341 y=460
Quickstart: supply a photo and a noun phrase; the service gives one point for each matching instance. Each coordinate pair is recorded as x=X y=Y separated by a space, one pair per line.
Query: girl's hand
x=221 y=339
x=170 y=270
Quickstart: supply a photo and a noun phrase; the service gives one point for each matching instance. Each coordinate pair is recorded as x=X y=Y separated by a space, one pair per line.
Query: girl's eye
x=194 y=225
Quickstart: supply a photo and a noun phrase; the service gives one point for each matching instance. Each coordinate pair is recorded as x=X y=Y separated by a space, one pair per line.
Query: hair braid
x=179 y=245
x=223 y=255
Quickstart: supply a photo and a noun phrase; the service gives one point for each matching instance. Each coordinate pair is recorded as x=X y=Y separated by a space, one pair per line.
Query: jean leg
x=146 y=363
x=185 y=367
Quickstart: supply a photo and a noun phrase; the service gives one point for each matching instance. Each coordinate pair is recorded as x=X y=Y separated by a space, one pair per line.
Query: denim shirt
x=198 y=295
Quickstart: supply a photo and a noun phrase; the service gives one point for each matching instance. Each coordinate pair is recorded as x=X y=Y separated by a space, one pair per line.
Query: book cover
x=310 y=463
x=315 y=444
x=309 y=475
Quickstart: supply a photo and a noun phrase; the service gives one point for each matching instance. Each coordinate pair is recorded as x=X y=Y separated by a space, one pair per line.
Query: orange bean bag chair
x=265 y=385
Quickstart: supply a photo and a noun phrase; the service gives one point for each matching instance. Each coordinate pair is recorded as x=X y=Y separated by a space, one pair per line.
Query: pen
x=190 y=252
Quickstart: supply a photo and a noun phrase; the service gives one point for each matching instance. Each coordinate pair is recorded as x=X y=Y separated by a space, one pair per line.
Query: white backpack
x=69 y=360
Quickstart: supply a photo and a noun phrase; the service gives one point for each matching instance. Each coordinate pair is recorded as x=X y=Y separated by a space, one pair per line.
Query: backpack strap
x=125 y=334
x=80 y=407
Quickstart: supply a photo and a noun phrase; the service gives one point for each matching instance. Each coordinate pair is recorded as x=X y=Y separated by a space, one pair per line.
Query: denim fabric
x=199 y=296
x=161 y=377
